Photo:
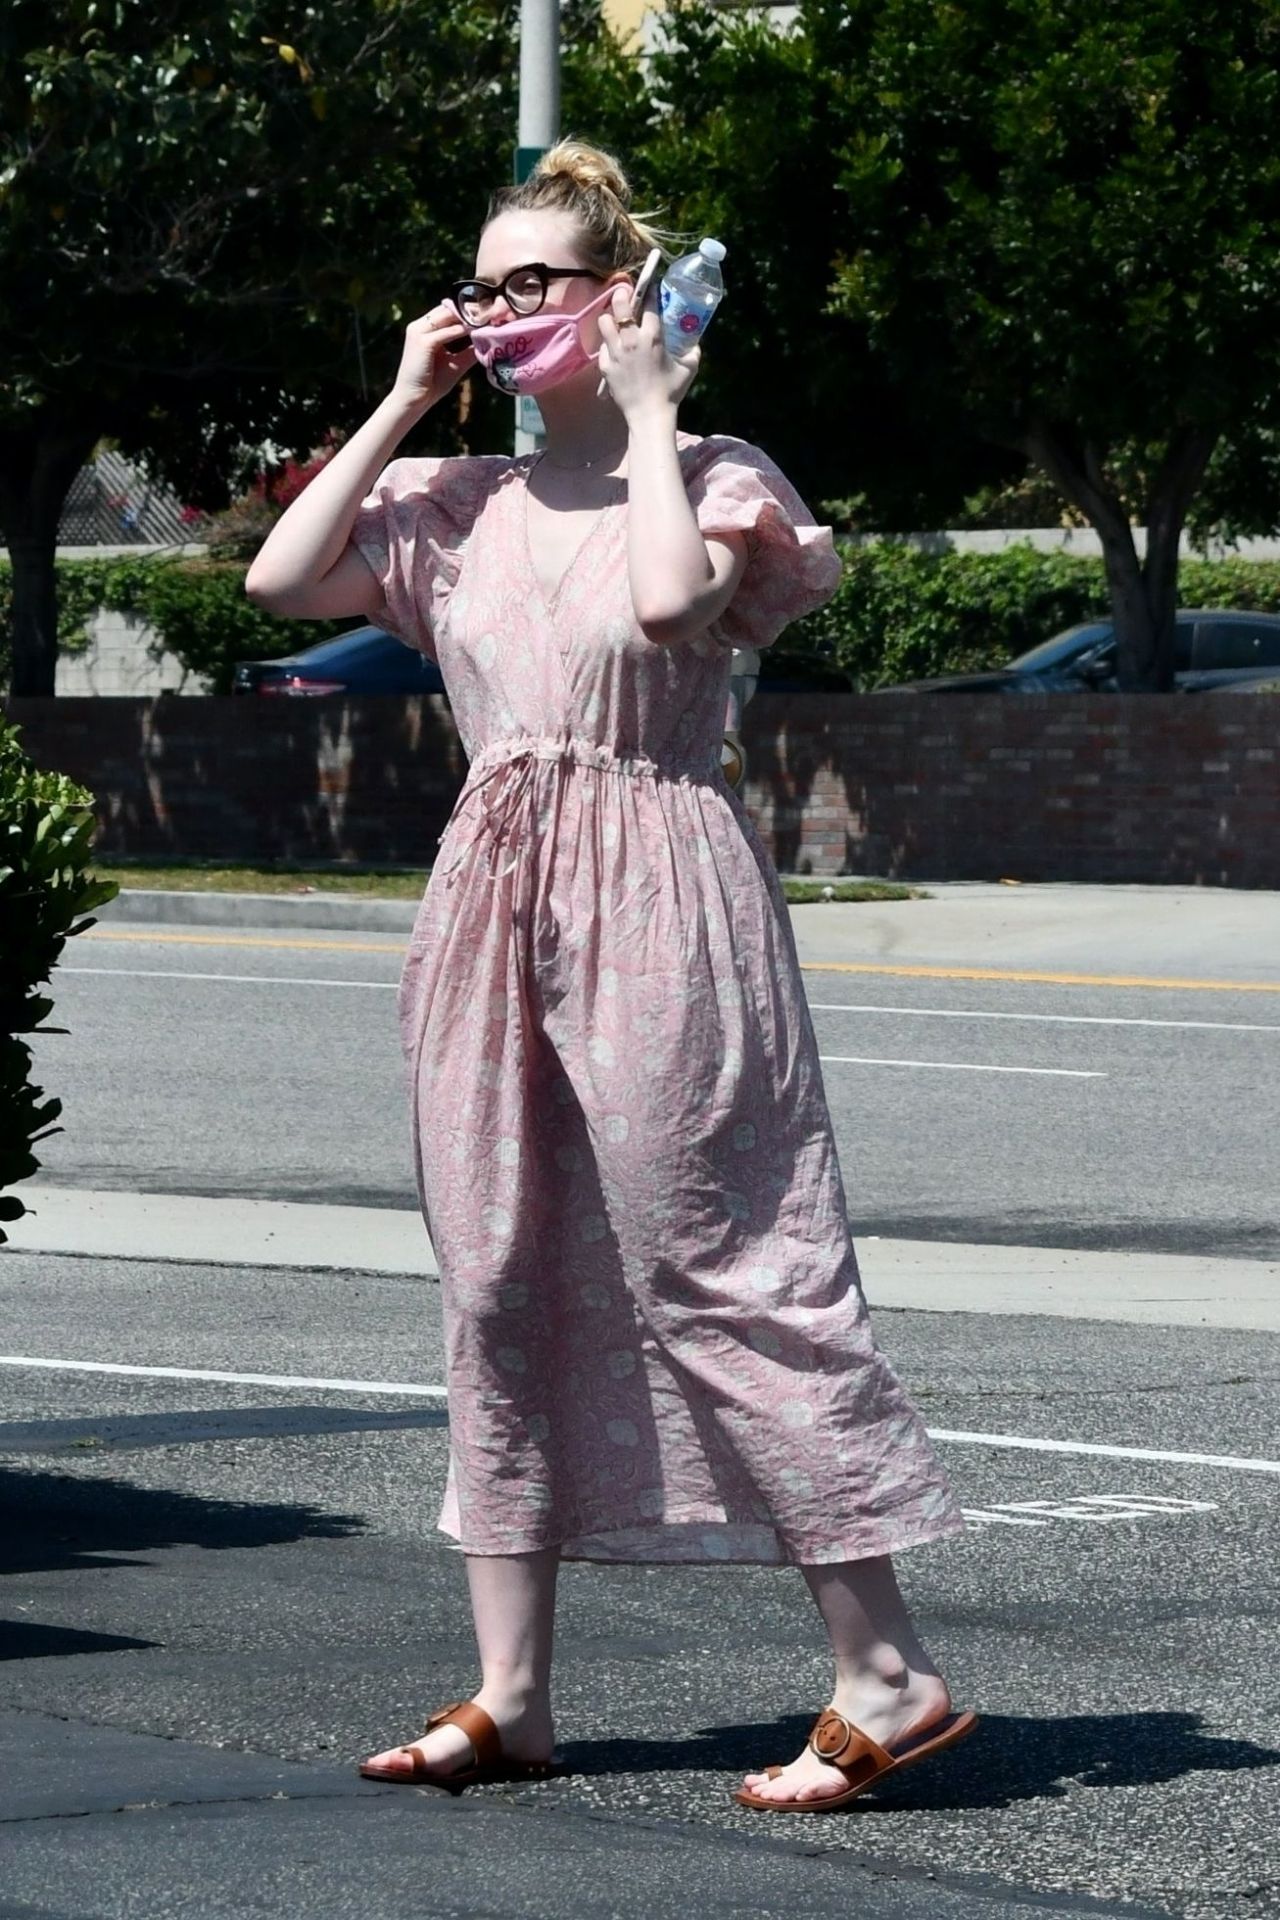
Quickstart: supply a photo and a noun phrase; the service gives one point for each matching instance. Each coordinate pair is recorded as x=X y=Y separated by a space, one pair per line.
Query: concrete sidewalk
x=933 y=1276
x=1197 y=935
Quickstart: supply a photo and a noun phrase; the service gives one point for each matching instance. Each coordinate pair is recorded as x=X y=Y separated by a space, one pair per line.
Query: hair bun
x=589 y=168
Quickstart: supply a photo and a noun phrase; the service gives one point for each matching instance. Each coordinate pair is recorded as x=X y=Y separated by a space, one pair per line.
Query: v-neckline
x=549 y=600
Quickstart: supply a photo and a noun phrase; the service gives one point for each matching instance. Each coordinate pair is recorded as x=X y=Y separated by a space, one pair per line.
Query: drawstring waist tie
x=501 y=782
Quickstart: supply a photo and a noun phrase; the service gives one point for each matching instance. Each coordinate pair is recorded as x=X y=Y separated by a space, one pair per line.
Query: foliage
x=900 y=613
x=214 y=225
x=904 y=614
x=46 y=827
x=745 y=147
x=1052 y=230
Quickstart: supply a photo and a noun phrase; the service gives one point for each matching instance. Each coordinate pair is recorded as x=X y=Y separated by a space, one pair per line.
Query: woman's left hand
x=639 y=372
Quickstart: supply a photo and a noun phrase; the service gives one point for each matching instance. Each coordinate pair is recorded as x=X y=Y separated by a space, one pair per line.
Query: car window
x=1236 y=643
x=1062 y=649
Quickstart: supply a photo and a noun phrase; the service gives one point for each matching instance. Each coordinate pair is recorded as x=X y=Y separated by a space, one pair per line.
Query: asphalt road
x=267 y=1065
x=221 y=1595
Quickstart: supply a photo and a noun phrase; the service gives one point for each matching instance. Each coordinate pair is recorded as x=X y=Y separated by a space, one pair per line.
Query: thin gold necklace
x=581 y=466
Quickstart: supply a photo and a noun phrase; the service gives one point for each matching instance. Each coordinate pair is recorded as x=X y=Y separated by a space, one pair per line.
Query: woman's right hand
x=427 y=371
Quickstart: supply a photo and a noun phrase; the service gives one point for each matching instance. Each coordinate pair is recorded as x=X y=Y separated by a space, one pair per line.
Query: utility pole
x=539 y=129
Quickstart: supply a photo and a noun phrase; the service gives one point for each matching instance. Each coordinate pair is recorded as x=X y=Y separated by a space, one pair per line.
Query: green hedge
x=902 y=614
x=46 y=830
x=899 y=614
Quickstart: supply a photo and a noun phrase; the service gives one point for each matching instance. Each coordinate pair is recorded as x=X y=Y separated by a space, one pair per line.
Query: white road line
x=226 y=1379
x=817 y=1006
x=1237 y=1463
x=1055 y=1019
x=240 y=979
x=958 y=1066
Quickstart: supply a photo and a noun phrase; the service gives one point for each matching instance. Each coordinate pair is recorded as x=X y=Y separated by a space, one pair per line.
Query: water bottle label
x=680 y=320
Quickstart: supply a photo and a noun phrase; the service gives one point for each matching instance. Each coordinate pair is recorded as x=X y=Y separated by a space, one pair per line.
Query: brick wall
x=1158 y=788
x=1169 y=788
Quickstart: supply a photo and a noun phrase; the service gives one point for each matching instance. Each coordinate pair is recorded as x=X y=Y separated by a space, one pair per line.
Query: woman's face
x=516 y=239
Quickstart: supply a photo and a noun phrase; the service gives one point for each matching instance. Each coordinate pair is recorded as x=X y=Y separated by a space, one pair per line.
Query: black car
x=1214 y=648
x=366 y=660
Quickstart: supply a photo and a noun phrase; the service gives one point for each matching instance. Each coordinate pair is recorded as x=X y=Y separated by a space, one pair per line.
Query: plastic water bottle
x=692 y=289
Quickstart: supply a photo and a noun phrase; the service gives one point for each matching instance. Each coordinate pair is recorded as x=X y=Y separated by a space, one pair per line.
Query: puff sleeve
x=792 y=565
x=411 y=530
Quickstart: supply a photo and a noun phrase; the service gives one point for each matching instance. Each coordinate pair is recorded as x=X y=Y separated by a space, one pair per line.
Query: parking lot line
x=1235 y=1462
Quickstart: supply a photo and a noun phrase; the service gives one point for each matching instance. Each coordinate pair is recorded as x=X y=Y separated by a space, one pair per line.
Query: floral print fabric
x=657 y=1347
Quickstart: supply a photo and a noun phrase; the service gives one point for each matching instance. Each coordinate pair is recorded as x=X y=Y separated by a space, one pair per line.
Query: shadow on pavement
x=28 y=1640
x=1008 y=1759
x=51 y=1522
x=127 y=1432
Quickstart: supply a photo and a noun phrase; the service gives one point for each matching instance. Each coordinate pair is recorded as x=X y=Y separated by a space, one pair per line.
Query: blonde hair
x=573 y=177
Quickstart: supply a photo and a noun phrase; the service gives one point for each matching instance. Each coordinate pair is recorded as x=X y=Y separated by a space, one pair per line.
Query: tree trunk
x=37 y=466
x=1144 y=596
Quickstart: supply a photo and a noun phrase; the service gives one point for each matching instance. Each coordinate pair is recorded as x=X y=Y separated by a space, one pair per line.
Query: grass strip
x=398 y=883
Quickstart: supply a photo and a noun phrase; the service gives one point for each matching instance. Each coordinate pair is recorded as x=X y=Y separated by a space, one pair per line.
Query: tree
x=1071 y=215
x=1055 y=227
x=744 y=144
x=213 y=226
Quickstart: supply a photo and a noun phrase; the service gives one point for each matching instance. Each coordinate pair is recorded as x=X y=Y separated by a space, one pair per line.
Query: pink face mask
x=538 y=351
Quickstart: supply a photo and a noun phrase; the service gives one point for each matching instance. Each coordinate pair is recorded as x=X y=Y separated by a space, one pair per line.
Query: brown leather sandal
x=490 y=1761
x=860 y=1759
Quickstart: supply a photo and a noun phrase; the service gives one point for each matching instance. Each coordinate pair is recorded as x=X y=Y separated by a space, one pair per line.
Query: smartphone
x=451 y=347
x=645 y=281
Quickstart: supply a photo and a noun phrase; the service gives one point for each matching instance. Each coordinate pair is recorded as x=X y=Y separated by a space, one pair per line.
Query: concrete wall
x=122 y=658
x=1173 y=788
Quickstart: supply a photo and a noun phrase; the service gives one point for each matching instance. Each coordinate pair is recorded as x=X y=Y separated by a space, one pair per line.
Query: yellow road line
x=250 y=940
x=1017 y=977
x=1009 y=976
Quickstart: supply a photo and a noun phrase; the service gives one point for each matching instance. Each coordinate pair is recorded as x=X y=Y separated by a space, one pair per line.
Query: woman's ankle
x=520 y=1694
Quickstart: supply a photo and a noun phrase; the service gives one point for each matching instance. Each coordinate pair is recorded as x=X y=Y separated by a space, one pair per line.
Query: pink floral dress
x=656 y=1343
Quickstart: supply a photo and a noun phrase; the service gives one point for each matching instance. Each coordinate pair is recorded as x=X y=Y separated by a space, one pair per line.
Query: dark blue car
x=1216 y=650
x=366 y=660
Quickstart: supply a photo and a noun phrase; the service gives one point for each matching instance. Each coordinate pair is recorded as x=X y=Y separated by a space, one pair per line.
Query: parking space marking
x=1237 y=1463
x=1086 y=1506
x=1050 y=1019
x=225 y=1379
x=959 y=1066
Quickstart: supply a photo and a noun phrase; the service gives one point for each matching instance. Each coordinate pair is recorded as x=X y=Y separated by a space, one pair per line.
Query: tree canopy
x=1057 y=228
x=962 y=237
x=215 y=223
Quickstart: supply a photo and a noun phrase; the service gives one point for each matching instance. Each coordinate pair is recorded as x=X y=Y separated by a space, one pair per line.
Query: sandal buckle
x=832 y=1735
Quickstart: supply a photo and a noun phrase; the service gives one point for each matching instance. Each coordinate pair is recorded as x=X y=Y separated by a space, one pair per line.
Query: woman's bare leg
x=886 y=1684
x=513 y=1600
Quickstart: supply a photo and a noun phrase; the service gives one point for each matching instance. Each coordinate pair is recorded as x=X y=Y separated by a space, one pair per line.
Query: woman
x=656 y=1344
